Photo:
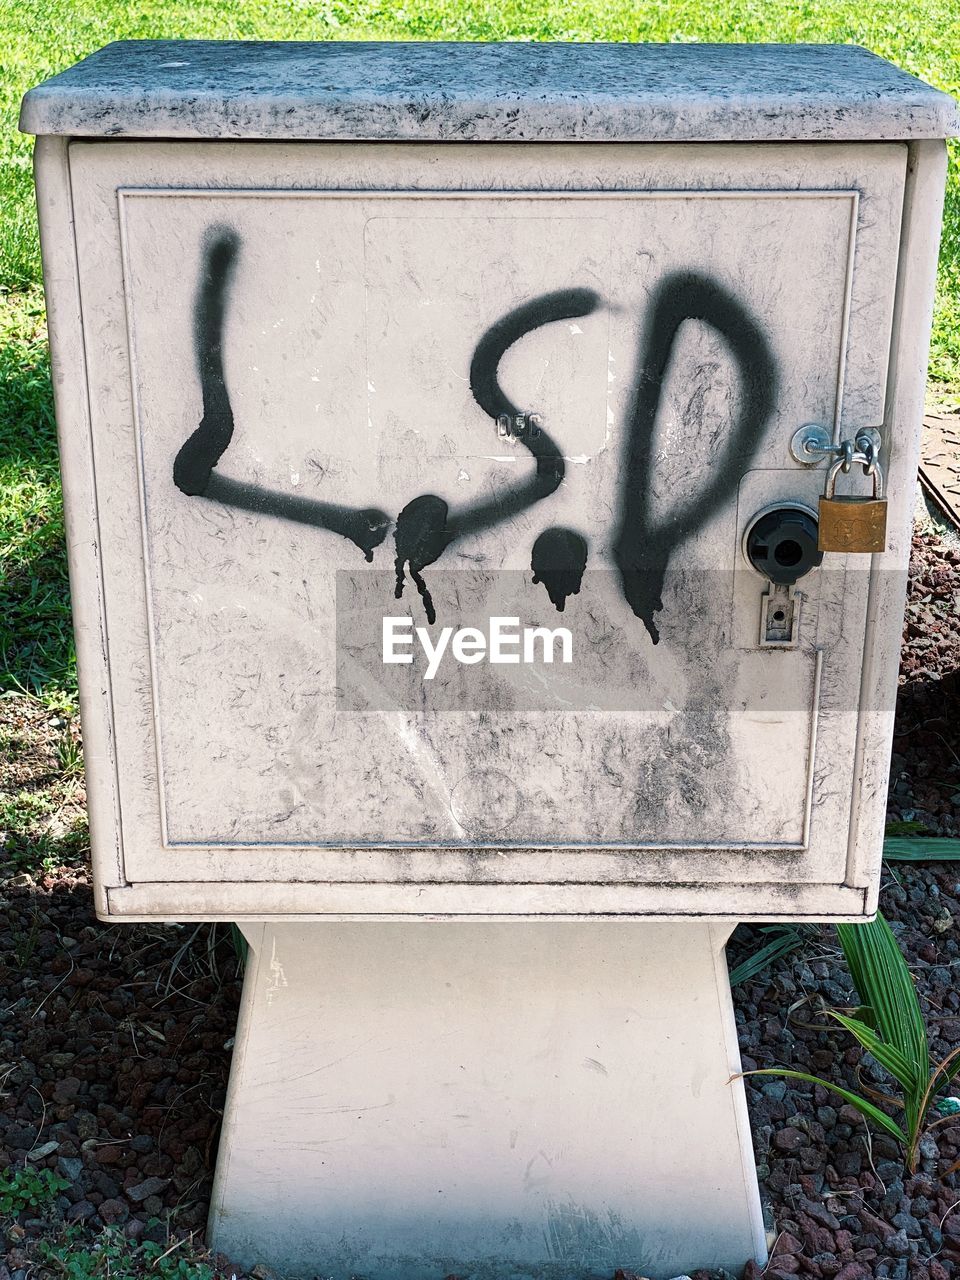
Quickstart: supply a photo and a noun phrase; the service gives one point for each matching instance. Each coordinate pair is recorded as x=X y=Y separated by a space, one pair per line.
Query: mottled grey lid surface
x=487 y=92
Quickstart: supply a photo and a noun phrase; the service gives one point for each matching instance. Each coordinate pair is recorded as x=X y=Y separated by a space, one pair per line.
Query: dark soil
x=115 y=1041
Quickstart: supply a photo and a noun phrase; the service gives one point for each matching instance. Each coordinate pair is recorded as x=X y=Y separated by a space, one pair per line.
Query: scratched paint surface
x=321 y=395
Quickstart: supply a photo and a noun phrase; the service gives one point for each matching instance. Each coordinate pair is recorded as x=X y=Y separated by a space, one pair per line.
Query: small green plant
x=70 y=754
x=889 y=1025
x=23 y=1189
x=25 y=942
x=113 y=1257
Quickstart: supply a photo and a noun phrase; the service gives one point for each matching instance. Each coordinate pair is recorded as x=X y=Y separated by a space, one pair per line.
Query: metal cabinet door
x=297 y=356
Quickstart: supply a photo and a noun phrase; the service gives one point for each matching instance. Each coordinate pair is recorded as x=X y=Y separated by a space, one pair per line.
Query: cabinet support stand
x=410 y=1101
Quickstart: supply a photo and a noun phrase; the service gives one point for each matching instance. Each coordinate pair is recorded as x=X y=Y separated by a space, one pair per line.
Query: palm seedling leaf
x=879 y=1118
x=888 y=1055
x=885 y=985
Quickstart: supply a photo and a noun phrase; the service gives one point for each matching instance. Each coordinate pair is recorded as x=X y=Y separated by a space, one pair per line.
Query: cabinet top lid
x=511 y=92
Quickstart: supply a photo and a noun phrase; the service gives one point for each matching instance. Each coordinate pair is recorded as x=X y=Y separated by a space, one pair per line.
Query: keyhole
x=788 y=553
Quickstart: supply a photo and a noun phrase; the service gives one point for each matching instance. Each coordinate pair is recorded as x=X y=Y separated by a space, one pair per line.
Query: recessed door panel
x=545 y=403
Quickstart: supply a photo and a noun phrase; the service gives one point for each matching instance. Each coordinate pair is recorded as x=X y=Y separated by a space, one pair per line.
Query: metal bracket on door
x=811 y=443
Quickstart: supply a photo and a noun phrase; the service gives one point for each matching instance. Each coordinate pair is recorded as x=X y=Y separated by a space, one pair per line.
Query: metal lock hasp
x=851 y=522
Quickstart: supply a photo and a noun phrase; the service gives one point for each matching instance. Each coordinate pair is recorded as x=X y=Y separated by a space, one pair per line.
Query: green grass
x=33 y=837
x=36 y=651
x=113 y=1257
x=36 y=39
x=39 y=37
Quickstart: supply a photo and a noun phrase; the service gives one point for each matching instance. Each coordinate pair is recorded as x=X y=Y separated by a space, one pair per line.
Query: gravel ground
x=842 y=1204
x=115 y=1041
x=114 y=1053
x=925 y=766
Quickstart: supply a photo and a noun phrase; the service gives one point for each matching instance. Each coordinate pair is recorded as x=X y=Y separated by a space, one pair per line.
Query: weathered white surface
x=350 y=381
x=492 y=1101
x=906 y=387
x=354 y=308
x=487 y=92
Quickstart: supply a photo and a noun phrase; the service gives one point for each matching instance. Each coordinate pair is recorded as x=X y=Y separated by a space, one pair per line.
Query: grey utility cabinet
x=290 y=297
x=275 y=272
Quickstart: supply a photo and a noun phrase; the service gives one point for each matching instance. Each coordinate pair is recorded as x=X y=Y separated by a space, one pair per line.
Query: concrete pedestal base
x=495 y=1101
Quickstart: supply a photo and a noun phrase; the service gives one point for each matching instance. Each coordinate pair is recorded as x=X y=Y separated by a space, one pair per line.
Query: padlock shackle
x=877 y=474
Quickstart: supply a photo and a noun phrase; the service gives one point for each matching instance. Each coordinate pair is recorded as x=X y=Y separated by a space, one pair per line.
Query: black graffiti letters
x=643 y=549
x=366 y=528
x=193 y=467
x=426 y=526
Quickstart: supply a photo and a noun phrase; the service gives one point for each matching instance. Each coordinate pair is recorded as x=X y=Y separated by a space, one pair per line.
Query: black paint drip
x=642 y=549
x=421 y=537
x=193 y=467
x=558 y=561
x=425 y=527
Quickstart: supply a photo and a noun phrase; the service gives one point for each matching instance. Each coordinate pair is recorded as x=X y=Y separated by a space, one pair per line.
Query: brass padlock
x=851 y=522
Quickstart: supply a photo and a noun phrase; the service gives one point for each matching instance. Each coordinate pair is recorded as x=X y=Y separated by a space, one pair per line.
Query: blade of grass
x=787 y=939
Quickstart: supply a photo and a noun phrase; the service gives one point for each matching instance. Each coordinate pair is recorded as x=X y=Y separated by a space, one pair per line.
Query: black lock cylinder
x=782 y=543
